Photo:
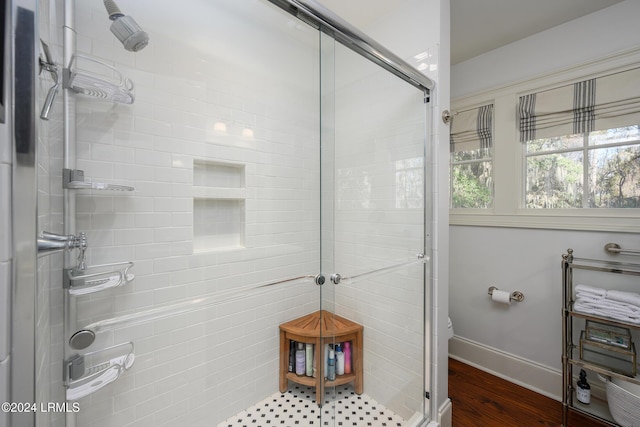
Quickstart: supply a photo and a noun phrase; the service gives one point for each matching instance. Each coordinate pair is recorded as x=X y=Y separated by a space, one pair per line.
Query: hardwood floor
x=482 y=399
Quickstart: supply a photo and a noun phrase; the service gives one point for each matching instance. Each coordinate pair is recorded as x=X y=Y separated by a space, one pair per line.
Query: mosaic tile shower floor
x=297 y=408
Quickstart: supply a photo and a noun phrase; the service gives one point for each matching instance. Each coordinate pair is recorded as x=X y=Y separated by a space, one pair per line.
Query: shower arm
x=112 y=9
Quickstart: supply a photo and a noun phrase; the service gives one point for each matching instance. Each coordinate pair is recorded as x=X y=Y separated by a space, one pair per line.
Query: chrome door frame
x=23 y=67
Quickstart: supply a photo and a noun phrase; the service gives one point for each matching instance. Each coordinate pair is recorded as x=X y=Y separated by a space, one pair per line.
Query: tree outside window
x=599 y=169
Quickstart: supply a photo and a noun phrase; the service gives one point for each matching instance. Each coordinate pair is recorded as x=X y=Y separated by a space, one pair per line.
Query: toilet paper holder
x=515 y=295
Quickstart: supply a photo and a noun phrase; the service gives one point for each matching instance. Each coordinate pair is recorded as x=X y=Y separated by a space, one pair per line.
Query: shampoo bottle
x=339 y=360
x=331 y=372
x=300 y=359
x=583 y=391
x=292 y=356
x=325 y=372
x=309 y=359
x=347 y=357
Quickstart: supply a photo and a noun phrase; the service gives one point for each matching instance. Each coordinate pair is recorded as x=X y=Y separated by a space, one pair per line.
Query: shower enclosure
x=257 y=162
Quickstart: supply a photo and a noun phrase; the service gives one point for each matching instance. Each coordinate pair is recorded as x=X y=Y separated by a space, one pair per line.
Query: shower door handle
x=337 y=278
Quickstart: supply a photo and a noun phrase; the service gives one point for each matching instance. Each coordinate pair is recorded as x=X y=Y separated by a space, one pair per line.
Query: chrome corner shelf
x=105 y=367
x=105 y=83
x=73 y=179
x=98 y=278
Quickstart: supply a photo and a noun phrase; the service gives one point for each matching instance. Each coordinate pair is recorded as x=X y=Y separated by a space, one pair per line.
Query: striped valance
x=607 y=102
x=472 y=129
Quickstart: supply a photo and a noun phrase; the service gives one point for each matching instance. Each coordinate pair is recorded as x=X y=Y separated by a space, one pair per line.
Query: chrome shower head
x=125 y=28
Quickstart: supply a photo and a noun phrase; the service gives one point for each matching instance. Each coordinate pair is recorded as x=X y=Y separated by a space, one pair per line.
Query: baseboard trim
x=528 y=374
x=445 y=414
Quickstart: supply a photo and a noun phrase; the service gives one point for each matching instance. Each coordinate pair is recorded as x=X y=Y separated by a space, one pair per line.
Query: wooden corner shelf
x=320 y=328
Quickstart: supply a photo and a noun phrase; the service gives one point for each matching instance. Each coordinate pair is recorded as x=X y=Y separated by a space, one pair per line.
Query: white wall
x=599 y=34
x=248 y=66
x=523 y=342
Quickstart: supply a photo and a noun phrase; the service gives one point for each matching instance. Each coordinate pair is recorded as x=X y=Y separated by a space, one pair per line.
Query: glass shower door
x=238 y=205
x=374 y=240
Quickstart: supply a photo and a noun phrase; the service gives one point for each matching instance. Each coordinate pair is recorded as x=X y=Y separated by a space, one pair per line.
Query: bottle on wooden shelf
x=300 y=360
x=339 y=360
x=347 y=357
x=331 y=373
x=292 y=356
x=326 y=360
x=309 y=359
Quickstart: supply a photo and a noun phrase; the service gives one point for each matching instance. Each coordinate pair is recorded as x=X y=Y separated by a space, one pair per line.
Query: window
x=563 y=153
x=599 y=169
x=471 y=161
x=597 y=165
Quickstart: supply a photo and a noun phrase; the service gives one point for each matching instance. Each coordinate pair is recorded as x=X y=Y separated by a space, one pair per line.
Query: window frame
x=509 y=159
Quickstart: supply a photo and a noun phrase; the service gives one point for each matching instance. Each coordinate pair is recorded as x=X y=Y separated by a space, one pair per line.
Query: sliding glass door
x=254 y=214
x=373 y=228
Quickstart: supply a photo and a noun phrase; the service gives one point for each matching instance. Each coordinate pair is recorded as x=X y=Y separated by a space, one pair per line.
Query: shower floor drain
x=297 y=408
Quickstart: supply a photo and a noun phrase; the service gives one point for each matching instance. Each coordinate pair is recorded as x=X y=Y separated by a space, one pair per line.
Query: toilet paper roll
x=503 y=297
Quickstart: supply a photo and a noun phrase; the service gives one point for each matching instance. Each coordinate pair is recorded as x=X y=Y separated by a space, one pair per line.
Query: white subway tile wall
x=238 y=88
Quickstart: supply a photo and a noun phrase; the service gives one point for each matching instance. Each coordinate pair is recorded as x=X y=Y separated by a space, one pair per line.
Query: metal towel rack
x=614 y=248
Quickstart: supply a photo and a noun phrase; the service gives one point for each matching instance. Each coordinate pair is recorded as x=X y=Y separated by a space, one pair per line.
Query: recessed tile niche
x=219 y=195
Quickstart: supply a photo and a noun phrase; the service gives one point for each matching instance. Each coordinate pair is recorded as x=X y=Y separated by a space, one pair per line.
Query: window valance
x=606 y=102
x=472 y=129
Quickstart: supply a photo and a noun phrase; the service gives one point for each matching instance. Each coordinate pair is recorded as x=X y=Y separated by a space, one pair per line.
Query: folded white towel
x=591 y=290
x=607 y=314
x=610 y=309
x=626 y=297
x=605 y=304
x=590 y=296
